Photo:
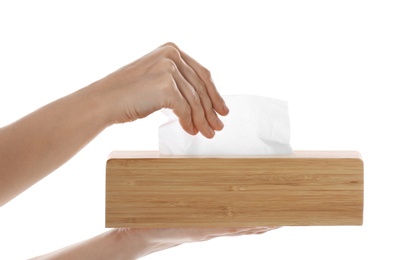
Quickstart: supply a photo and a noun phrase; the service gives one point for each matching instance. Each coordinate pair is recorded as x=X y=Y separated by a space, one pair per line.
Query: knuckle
x=211 y=114
x=169 y=86
x=168 y=65
x=170 y=44
x=202 y=89
x=195 y=100
x=170 y=51
x=200 y=86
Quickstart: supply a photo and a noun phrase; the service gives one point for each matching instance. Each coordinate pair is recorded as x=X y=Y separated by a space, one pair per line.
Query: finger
x=180 y=107
x=254 y=231
x=193 y=99
x=183 y=112
x=246 y=230
x=205 y=75
x=200 y=87
x=189 y=74
x=237 y=232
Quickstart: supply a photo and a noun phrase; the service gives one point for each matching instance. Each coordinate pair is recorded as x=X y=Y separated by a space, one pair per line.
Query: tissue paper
x=255 y=125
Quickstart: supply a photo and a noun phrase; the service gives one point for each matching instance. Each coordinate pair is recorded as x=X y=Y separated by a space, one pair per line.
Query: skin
x=164 y=78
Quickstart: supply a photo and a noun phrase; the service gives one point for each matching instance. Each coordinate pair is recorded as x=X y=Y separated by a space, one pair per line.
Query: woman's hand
x=165 y=78
x=153 y=240
x=134 y=243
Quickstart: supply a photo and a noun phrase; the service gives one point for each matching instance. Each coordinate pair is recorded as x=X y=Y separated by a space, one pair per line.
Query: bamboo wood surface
x=146 y=189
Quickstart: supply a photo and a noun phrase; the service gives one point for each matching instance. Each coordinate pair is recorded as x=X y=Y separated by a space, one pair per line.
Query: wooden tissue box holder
x=146 y=189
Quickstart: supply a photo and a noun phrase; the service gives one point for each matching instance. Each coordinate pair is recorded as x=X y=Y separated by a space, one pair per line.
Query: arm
x=37 y=144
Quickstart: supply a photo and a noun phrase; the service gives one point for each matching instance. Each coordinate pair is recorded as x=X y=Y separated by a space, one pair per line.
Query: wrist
x=112 y=100
x=102 y=102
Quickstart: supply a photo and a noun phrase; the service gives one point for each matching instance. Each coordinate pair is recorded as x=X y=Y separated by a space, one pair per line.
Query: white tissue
x=255 y=125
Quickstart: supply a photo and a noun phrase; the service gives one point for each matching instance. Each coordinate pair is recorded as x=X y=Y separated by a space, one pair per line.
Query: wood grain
x=145 y=189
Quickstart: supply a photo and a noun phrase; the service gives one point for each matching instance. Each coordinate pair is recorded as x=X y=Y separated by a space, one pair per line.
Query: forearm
x=40 y=142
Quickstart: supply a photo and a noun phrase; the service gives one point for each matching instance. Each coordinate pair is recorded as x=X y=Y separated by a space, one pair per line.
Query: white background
x=332 y=61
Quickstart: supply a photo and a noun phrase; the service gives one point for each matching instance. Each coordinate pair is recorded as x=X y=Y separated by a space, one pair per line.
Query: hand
x=148 y=240
x=134 y=243
x=166 y=78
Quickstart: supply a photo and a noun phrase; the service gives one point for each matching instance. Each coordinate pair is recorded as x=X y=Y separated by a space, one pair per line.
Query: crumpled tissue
x=255 y=125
